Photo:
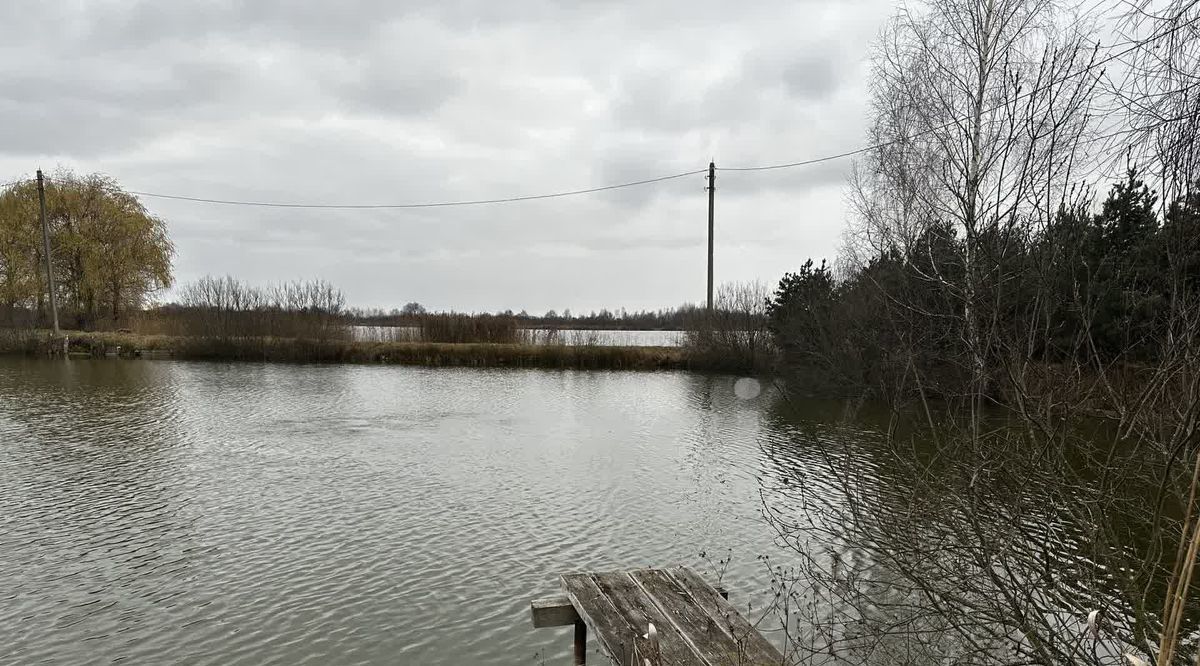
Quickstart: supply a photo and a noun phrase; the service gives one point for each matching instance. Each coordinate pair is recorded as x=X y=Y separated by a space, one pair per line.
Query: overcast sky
x=384 y=102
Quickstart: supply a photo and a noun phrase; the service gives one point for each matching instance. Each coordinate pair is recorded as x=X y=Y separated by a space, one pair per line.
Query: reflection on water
x=940 y=549
x=164 y=511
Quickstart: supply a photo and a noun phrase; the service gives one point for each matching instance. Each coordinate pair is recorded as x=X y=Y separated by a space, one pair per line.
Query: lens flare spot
x=747 y=388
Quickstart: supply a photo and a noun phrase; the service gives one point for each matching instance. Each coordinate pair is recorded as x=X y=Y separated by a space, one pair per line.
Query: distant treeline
x=667 y=319
x=227 y=310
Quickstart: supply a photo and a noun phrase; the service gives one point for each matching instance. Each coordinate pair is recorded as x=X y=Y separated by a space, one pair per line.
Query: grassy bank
x=351 y=351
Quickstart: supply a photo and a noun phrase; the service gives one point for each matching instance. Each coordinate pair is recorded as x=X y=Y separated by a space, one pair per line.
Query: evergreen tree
x=1180 y=246
x=1128 y=279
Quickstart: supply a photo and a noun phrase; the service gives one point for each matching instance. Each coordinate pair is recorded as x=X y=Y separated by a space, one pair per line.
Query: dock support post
x=580 y=643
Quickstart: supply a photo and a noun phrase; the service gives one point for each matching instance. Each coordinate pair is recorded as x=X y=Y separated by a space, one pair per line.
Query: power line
x=439 y=204
x=817 y=160
x=1099 y=63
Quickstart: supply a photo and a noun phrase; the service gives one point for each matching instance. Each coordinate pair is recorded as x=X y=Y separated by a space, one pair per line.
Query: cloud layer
x=393 y=102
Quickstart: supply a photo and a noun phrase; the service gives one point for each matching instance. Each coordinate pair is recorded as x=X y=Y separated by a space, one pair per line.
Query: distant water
x=212 y=513
x=566 y=336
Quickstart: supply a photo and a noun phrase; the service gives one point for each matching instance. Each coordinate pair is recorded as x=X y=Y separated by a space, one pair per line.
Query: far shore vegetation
x=222 y=318
x=100 y=344
x=111 y=257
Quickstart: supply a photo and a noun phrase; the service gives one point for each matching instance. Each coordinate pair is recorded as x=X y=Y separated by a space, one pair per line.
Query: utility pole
x=712 y=190
x=46 y=243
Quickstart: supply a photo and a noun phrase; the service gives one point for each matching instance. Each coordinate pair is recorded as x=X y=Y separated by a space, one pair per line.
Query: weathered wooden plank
x=701 y=631
x=695 y=624
x=552 y=612
x=631 y=601
x=757 y=649
x=616 y=636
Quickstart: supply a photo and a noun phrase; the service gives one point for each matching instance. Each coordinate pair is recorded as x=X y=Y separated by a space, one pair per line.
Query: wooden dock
x=655 y=617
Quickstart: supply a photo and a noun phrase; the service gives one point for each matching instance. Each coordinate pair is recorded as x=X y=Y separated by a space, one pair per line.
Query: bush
x=734 y=336
x=460 y=328
x=228 y=309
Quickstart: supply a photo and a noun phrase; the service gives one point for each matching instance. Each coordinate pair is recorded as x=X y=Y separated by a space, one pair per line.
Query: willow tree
x=109 y=252
x=22 y=275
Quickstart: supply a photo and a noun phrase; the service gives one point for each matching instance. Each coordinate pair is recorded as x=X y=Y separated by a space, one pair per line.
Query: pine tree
x=1127 y=275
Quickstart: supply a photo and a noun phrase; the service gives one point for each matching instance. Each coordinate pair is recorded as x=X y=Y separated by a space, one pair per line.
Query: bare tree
x=979 y=111
x=1159 y=92
x=734 y=335
x=226 y=308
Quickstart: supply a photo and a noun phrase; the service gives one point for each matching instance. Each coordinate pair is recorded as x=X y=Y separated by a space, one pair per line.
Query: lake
x=540 y=336
x=189 y=512
x=244 y=514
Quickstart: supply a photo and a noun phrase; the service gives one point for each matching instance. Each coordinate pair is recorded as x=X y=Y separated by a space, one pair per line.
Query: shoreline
x=300 y=350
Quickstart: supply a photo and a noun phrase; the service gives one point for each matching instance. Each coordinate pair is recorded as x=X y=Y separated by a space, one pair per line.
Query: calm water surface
x=207 y=513
x=176 y=512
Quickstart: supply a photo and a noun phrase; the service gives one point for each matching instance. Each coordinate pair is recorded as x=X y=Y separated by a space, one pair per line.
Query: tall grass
x=554 y=336
x=300 y=350
x=387 y=333
x=575 y=350
x=23 y=341
x=461 y=328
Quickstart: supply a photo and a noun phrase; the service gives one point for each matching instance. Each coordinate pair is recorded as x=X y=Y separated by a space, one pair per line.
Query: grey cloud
x=809 y=72
x=405 y=95
x=152 y=88
x=621 y=243
x=662 y=103
x=400 y=88
x=376 y=101
x=76 y=129
x=811 y=76
x=318 y=25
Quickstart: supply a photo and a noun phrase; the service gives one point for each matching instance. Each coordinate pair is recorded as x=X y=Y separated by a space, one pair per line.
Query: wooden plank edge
x=610 y=651
x=553 y=612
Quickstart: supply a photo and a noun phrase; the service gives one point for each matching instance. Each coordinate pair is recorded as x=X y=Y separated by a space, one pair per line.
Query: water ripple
x=175 y=512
